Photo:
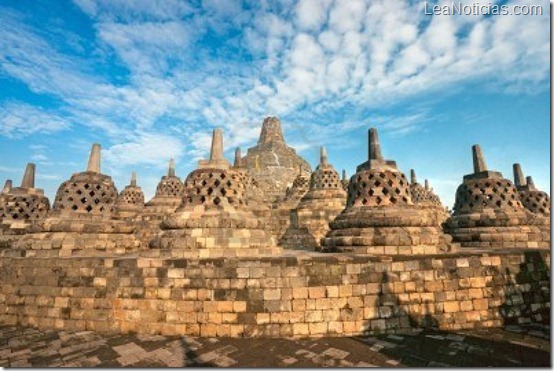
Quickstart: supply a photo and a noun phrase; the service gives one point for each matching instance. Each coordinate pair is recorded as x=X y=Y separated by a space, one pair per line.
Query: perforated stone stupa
x=272 y=163
x=130 y=202
x=488 y=212
x=214 y=219
x=426 y=199
x=380 y=217
x=344 y=181
x=532 y=199
x=82 y=218
x=20 y=207
x=309 y=222
x=167 y=199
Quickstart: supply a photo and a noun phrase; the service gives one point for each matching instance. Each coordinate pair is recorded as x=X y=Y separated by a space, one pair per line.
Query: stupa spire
x=28 y=180
x=519 y=179
x=323 y=156
x=271 y=131
x=344 y=174
x=413 y=179
x=479 y=164
x=94 y=159
x=530 y=183
x=171 y=168
x=216 y=161
x=374 y=145
x=133 y=179
x=238 y=158
x=427 y=184
x=7 y=186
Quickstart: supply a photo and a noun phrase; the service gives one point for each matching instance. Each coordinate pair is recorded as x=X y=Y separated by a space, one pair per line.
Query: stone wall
x=303 y=294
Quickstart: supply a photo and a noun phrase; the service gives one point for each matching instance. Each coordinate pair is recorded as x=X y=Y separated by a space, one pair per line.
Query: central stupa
x=272 y=163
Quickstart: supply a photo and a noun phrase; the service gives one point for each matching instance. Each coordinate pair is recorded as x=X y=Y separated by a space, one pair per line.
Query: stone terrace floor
x=512 y=346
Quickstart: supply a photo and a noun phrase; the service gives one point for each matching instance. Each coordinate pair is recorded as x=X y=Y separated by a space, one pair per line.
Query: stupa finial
x=271 y=131
x=238 y=158
x=7 y=186
x=94 y=159
x=28 y=180
x=479 y=164
x=171 y=168
x=374 y=145
x=323 y=156
x=530 y=183
x=216 y=151
x=344 y=174
x=413 y=179
x=519 y=179
x=134 y=179
x=427 y=184
x=216 y=161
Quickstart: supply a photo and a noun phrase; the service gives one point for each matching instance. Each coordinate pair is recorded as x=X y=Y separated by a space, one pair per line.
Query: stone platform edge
x=299 y=294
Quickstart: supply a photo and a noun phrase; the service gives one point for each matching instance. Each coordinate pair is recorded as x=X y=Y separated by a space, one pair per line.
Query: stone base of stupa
x=211 y=232
x=310 y=221
x=498 y=230
x=387 y=231
x=68 y=237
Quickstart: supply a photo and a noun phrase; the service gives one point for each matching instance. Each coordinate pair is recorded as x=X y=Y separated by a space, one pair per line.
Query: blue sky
x=150 y=79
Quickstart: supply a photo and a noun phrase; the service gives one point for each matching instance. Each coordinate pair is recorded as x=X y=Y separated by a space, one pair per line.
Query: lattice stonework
x=170 y=186
x=88 y=193
x=301 y=182
x=215 y=187
x=477 y=194
x=536 y=201
x=24 y=207
x=132 y=196
x=378 y=188
x=325 y=179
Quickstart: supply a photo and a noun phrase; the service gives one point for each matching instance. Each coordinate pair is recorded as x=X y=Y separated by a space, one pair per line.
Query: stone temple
x=271 y=162
x=267 y=248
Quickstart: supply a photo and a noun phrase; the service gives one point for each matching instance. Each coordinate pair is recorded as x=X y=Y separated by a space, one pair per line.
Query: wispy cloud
x=321 y=65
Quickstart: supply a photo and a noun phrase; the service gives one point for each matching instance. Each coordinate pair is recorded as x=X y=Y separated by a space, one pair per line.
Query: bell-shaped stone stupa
x=426 y=199
x=20 y=207
x=532 y=199
x=380 y=217
x=488 y=212
x=167 y=199
x=323 y=202
x=130 y=202
x=214 y=219
x=82 y=221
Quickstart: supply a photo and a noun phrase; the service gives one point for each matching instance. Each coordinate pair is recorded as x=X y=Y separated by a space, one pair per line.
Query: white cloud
x=306 y=60
x=19 y=119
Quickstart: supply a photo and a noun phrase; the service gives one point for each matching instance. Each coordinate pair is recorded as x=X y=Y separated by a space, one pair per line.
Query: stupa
x=426 y=199
x=81 y=221
x=271 y=162
x=254 y=194
x=344 y=181
x=309 y=222
x=167 y=199
x=20 y=207
x=130 y=202
x=488 y=212
x=380 y=217
x=214 y=219
x=532 y=199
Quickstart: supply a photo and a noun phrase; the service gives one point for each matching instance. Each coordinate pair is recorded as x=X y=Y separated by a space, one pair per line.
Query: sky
x=149 y=80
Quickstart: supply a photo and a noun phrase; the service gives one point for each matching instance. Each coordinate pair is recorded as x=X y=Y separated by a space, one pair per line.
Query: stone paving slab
x=512 y=346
